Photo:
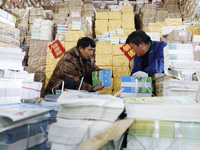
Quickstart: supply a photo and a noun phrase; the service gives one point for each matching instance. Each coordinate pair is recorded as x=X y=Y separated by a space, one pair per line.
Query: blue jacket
x=156 y=59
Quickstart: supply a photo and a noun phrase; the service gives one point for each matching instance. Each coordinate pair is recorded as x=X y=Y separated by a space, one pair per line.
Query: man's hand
x=140 y=74
x=98 y=87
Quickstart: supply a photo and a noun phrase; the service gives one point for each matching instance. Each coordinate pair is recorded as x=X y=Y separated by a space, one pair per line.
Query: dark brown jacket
x=71 y=66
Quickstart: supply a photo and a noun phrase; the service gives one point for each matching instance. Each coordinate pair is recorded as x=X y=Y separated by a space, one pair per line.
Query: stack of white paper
x=81 y=116
x=174 y=87
x=163 y=123
x=77 y=25
x=31 y=89
x=22 y=126
x=11 y=58
x=155 y=36
x=173 y=108
x=177 y=52
x=10 y=90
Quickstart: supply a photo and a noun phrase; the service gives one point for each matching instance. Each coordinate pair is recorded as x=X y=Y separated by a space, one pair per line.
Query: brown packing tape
x=117 y=129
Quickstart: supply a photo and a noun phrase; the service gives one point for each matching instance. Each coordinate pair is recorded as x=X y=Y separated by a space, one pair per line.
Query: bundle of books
x=81 y=116
x=132 y=87
x=163 y=123
x=23 y=126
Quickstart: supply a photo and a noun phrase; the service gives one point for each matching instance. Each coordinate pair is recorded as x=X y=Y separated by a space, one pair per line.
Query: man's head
x=139 y=42
x=86 y=47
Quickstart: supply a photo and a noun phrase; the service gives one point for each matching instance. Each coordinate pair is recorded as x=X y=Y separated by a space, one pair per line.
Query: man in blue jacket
x=148 y=54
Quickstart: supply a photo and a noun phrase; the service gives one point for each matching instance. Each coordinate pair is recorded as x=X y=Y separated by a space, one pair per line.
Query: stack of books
x=175 y=87
x=163 y=123
x=23 y=126
x=81 y=116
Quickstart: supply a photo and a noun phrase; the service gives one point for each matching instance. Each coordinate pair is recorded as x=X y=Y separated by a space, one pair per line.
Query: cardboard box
x=121 y=71
x=114 y=15
x=116 y=49
x=120 y=61
x=101 y=15
x=103 y=48
x=106 y=60
x=157 y=83
x=73 y=36
x=126 y=9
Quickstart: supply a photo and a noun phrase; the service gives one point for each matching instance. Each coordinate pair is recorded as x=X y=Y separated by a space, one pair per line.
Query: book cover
x=103 y=75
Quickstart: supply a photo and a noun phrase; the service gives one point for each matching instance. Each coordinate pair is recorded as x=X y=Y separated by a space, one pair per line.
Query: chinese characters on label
x=56 y=49
x=128 y=51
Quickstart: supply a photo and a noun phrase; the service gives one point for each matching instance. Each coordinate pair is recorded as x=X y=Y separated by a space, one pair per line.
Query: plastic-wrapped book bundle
x=26 y=126
x=163 y=123
x=75 y=119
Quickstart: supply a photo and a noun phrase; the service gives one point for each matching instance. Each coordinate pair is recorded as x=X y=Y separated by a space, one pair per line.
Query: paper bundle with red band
x=56 y=49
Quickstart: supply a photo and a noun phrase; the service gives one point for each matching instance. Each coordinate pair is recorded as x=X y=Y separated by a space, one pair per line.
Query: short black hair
x=137 y=37
x=85 y=42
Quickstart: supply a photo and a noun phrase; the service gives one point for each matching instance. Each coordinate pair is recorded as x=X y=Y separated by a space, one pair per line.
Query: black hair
x=85 y=42
x=137 y=37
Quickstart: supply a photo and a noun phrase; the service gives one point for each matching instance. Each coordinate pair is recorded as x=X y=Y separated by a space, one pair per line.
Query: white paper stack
x=77 y=25
x=115 y=40
x=31 y=89
x=11 y=58
x=68 y=134
x=174 y=87
x=62 y=28
x=155 y=36
x=177 y=52
x=13 y=74
x=10 y=90
x=169 y=108
x=82 y=115
x=46 y=30
x=120 y=31
x=163 y=123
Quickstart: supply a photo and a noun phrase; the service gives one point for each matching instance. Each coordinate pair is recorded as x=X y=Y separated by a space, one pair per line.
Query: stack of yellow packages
x=148 y=15
x=128 y=21
x=51 y=62
x=114 y=20
x=104 y=60
x=101 y=23
x=120 y=66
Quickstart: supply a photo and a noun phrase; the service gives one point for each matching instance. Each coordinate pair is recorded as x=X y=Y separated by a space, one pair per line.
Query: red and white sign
x=128 y=51
x=56 y=49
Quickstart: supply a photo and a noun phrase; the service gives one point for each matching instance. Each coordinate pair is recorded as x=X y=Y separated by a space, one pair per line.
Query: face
x=139 y=50
x=87 y=52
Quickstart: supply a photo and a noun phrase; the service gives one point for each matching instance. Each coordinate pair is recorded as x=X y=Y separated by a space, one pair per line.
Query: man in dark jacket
x=148 y=54
x=75 y=68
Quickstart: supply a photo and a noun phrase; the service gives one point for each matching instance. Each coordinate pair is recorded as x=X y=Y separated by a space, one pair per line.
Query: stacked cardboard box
x=75 y=8
x=37 y=61
x=104 y=58
x=148 y=15
x=120 y=66
x=114 y=21
x=36 y=13
x=128 y=19
x=88 y=10
x=101 y=23
x=62 y=11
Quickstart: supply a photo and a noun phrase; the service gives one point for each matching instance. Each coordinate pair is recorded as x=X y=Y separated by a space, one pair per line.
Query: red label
x=128 y=51
x=56 y=49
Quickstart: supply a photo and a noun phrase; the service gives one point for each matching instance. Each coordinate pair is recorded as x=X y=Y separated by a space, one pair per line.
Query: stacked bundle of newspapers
x=175 y=87
x=81 y=116
x=23 y=126
x=163 y=123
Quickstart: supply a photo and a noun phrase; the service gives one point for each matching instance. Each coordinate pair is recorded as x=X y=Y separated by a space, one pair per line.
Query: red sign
x=128 y=51
x=56 y=49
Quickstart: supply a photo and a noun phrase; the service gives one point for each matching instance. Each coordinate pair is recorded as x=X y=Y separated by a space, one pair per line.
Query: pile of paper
x=22 y=126
x=163 y=123
x=11 y=58
x=81 y=116
x=174 y=87
x=177 y=52
x=42 y=30
x=77 y=25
